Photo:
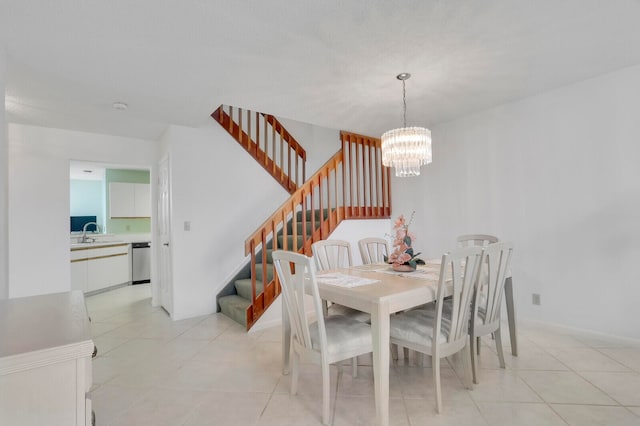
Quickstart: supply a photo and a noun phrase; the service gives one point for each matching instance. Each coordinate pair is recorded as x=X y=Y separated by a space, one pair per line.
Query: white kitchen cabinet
x=79 y=276
x=129 y=200
x=45 y=360
x=99 y=267
x=142 y=200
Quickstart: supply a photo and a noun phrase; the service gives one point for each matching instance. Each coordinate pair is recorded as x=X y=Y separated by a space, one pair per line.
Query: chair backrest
x=297 y=275
x=472 y=240
x=373 y=250
x=331 y=254
x=495 y=267
x=461 y=266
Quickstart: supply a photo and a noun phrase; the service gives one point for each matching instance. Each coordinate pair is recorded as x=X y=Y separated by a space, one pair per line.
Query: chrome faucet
x=86 y=239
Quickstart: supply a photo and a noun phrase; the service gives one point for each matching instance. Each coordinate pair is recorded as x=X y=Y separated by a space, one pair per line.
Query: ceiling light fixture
x=406 y=148
x=120 y=106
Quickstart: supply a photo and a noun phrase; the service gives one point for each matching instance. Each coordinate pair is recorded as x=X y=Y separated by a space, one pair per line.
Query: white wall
x=39 y=199
x=226 y=195
x=558 y=175
x=4 y=185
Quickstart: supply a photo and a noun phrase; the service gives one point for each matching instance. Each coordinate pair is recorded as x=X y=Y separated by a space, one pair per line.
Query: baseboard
x=581 y=330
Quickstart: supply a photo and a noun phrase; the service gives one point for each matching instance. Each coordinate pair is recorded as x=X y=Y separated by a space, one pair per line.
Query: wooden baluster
x=285 y=234
x=239 y=137
x=377 y=179
x=304 y=170
x=253 y=272
x=265 y=278
x=257 y=141
x=230 y=119
x=249 y=143
x=266 y=145
x=281 y=157
x=294 y=223
x=297 y=181
x=289 y=161
x=273 y=149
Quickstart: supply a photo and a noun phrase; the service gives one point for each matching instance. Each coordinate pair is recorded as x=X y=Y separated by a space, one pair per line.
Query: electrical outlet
x=187 y=225
x=535 y=299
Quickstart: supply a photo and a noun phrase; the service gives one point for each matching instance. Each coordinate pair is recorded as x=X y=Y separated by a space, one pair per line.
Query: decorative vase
x=403 y=268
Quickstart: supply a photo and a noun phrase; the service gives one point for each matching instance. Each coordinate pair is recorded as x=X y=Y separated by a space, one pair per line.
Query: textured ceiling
x=331 y=63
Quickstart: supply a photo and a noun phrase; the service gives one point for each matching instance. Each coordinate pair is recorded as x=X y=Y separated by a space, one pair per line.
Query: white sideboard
x=45 y=360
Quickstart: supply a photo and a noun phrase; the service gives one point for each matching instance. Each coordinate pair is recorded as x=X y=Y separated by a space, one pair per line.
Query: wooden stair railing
x=268 y=142
x=353 y=184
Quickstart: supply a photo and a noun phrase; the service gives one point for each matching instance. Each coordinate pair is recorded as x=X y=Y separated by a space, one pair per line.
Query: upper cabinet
x=127 y=200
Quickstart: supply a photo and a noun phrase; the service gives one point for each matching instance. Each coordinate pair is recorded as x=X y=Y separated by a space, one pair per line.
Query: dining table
x=385 y=292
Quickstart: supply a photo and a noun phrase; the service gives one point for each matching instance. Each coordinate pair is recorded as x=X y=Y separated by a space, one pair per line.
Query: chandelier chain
x=404 y=105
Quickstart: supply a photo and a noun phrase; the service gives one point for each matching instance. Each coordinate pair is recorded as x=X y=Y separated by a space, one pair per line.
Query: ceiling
x=331 y=63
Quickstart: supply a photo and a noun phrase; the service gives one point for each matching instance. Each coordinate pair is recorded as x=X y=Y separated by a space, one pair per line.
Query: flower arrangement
x=402 y=251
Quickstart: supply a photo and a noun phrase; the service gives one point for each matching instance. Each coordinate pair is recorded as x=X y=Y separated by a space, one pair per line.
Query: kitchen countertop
x=76 y=246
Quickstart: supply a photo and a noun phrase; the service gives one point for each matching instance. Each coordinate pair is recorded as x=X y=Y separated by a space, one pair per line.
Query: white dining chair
x=472 y=240
x=487 y=301
x=373 y=250
x=325 y=341
x=334 y=254
x=442 y=332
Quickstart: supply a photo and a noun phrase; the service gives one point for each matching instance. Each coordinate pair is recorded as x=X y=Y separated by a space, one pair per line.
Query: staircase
x=353 y=184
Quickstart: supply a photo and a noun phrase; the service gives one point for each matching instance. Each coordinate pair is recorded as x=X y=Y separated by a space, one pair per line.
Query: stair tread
x=235 y=307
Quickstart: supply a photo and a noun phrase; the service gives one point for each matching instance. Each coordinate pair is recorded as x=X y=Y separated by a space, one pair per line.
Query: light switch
x=187 y=225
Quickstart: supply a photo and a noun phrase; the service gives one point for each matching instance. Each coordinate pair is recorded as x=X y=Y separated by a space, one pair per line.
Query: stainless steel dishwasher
x=141 y=262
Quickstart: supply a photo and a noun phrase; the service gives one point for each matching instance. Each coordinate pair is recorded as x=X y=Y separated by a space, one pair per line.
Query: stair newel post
x=323 y=234
x=344 y=176
x=294 y=223
x=377 y=180
x=302 y=204
x=358 y=173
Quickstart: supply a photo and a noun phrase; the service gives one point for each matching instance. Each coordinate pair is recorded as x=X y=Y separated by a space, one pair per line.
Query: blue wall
x=88 y=199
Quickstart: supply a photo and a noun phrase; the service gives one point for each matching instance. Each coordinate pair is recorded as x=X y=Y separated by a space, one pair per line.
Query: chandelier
x=406 y=148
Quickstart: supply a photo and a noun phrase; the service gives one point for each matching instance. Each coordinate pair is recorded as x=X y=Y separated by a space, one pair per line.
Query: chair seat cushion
x=345 y=311
x=417 y=326
x=343 y=334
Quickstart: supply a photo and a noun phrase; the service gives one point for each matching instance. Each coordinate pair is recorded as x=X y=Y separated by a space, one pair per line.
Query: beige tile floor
x=209 y=371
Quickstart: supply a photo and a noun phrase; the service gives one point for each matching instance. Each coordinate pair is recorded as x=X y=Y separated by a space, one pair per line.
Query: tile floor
x=209 y=371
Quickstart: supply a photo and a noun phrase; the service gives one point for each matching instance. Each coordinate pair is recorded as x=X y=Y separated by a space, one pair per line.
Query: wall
x=39 y=199
x=557 y=174
x=126 y=226
x=4 y=186
x=225 y=195
x=86 y=198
